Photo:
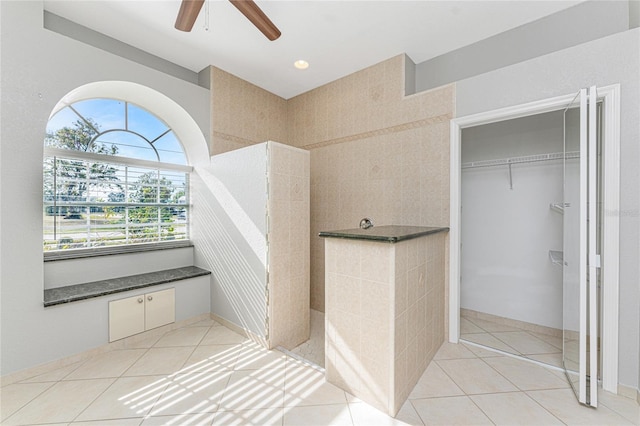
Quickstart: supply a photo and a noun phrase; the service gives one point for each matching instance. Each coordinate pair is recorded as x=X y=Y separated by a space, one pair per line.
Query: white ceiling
x=336 y=37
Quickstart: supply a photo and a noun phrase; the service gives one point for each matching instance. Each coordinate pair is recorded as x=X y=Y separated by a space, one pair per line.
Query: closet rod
x=520 y=160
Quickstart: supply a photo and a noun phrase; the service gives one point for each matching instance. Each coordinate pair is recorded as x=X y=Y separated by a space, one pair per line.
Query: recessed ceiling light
x=301 y=64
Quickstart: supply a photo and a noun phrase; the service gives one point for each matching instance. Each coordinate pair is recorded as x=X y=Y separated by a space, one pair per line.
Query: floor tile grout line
x=481 y=410
x=531 y=336
x=518 y=329
x=81 y=363
x=449 y=376
x=519 y=353
x=417 y=412
x=502 y=375
x=165 y=376
x=231 y=369
x=32 y=399
x=136 y=361
x=533 y=333
x=543 y=407
x=472 y=322
x=182 y=328
x=350 y=414
x=514 y=356
x=94 y=399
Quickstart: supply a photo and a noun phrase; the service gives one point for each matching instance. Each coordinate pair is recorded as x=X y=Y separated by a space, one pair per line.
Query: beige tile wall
x=243 y=114
x=374 y=152
x=385 y=315
x=288 y=213
x=419 y=309
x=359 y=319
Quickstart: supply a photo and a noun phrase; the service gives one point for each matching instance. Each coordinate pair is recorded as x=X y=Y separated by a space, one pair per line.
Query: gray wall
x=609 y=60
x=60 y=273
x=233 y=192
x=88 y=36
x=39 y=67
x=535 y=134
x=585 y=22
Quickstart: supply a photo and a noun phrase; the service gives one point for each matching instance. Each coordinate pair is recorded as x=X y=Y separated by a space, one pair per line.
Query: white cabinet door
x=126 y=317
x=160 y=308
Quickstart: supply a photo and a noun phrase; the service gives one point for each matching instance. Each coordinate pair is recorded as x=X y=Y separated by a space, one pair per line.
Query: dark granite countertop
x=387 y=233
x=73 y=293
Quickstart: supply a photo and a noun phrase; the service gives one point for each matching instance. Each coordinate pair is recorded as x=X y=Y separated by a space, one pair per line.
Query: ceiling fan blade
x=257 y=18
x=188 y=13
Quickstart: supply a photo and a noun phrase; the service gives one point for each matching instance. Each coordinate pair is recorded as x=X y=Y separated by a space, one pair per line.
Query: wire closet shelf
x=521 y=160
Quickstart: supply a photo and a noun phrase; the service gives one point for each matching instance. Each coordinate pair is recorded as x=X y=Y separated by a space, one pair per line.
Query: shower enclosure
x=531 y=203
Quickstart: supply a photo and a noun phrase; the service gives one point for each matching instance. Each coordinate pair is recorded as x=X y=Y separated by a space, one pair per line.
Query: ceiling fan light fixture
x=301 y=64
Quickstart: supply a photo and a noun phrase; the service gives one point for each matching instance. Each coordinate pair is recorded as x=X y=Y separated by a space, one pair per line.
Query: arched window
x=114 y=175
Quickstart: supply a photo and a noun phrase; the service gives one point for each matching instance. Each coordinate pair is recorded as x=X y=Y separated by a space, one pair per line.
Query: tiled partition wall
x=374 y=153
x=419 y=309
x=385 y=315
x=288 y=217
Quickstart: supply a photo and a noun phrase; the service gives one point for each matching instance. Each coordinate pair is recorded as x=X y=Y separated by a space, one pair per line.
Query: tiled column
x=384 y=315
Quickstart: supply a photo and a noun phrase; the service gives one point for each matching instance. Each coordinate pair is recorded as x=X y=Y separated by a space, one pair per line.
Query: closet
x=536 y=252
x=511 y=288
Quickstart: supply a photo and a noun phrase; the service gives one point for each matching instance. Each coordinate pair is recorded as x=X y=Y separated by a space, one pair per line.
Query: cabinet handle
x=149 y=298
x=140 y=300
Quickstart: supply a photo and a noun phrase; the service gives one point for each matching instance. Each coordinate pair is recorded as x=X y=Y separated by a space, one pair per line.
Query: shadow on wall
x=232 y=247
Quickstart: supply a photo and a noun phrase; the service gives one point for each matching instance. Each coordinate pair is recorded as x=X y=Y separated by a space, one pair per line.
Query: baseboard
x=511 y=322
x=125 y=343
x=629 y=392
x=242 y=331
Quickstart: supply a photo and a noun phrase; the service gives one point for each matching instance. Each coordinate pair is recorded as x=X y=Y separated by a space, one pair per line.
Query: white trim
x=582 y=262
x=611 y=181
x=455 y=171
x=610 y=273
x=592 y=256
x=175 y=116
x=113 y=159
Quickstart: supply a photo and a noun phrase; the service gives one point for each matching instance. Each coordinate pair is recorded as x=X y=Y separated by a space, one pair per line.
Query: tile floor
x=511 y=339
x=313 y=349
x=206 y=374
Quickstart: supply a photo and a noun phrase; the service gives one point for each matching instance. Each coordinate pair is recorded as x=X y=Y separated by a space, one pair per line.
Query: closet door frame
x=610 y=96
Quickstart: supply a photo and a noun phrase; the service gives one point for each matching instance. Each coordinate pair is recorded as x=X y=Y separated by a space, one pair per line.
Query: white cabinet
x=136 y=314
x=126 y=317
x=160 y=308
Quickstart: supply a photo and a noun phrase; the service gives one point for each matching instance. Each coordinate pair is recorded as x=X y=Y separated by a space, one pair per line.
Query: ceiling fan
x=189 y=10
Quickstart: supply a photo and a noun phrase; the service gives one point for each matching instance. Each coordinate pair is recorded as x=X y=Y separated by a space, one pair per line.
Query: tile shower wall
x=419 y=309
x=374 y=153
x=288 y=212
x=243 y=114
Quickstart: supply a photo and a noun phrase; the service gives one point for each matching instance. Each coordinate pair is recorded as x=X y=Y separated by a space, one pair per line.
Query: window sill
x=74 y=293
x=109 y=251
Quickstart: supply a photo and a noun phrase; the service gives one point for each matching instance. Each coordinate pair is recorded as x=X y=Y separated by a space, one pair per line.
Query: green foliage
x=150 y=189
x=73 y=175
x=80 y=137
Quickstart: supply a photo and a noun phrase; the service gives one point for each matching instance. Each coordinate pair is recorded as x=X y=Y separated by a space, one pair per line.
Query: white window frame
x=50 y=152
